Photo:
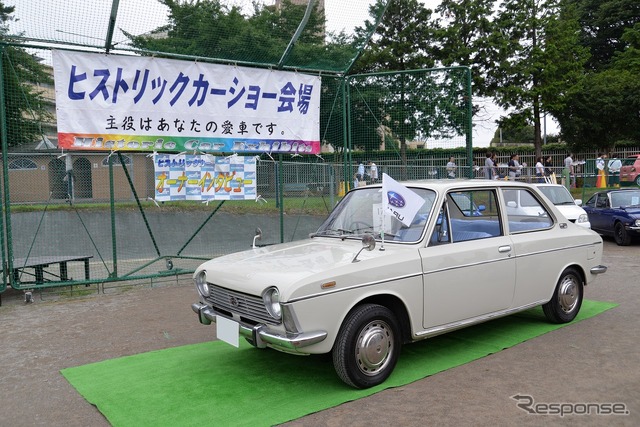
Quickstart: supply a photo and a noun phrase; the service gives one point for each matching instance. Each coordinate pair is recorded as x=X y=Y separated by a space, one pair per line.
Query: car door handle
x=503 y=249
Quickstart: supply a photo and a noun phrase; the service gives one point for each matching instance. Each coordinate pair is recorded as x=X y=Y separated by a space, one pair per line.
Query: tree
x=401 y=42
x=602 y=23
x=603 y=108
x=536 y=49
x=25 y=106
x=463 y=35
x=211 y=29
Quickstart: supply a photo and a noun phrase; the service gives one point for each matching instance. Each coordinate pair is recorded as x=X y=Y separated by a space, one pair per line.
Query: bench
x=40 y=266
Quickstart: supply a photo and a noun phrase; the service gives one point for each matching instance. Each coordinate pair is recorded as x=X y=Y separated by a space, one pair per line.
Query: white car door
x=538 y=247
x=468 y=265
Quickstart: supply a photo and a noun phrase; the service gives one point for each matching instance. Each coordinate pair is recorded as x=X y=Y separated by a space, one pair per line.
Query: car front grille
x=250 y=308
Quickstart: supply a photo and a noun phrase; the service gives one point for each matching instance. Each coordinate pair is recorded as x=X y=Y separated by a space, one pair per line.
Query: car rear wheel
x=367 y=346
x=567 y=298
x=620 y=235
x=638 y=180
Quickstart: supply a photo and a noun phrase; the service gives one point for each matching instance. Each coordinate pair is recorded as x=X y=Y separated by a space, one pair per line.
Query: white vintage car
x=366 y=283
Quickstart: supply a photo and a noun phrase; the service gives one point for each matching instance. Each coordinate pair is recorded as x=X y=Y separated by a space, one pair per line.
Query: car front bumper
x=260 y=335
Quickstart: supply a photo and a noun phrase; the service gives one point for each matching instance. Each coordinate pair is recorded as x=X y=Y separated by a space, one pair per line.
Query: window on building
x=116 y=160
x=22 y=164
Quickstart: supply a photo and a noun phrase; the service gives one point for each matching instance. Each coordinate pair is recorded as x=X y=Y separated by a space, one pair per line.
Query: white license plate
x=228 y=331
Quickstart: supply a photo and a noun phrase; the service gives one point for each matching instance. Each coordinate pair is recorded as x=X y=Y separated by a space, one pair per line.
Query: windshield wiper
x=332 y=232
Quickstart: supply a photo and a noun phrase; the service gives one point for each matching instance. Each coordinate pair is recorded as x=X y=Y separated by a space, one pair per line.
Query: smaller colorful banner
x=204 y=177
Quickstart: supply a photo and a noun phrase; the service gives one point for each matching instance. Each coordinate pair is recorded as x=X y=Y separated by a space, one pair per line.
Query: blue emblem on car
x=395 y=199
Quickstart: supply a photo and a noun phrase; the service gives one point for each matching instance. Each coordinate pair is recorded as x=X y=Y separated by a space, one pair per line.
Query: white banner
x=109 y=102
x=204 y=177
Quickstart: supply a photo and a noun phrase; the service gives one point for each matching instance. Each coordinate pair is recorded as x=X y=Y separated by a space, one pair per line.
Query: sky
x=44 y=19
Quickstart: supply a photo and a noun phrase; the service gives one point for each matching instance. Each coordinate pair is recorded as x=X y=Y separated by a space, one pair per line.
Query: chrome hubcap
x=568 y=294
x=374 y=347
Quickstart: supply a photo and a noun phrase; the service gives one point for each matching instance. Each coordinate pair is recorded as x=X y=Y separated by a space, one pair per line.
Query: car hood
x=571 y=212
x=302 y=267
x=633 y=211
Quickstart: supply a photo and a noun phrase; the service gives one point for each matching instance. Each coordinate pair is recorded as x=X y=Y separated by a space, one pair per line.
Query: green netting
x=319 y=35
x=393 y=113
x=101 y=205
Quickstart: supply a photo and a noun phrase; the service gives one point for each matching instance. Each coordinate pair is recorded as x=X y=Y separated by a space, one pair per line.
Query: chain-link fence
x=83 y=217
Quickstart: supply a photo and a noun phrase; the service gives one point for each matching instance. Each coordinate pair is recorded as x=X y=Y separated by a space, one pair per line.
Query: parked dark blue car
x=615 y=213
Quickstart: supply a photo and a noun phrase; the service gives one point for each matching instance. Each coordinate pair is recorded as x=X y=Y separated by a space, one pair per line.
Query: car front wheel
x=620 y=235
x=367 y=347
x=567 y=298
x=638 y=180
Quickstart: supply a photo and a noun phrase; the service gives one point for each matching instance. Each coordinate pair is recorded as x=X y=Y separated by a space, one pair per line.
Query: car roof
x=447 y=184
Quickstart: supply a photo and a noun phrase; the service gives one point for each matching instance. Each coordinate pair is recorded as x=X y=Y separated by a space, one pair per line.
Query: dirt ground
x=595 y=361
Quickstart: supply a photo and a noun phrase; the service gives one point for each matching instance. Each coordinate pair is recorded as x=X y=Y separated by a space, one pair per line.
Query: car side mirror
x=368 y=243
x=258 y=236
x=578 y=202
x=512 y=204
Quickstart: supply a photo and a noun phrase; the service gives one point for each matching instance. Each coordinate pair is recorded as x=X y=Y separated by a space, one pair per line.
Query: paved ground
x=594 y=361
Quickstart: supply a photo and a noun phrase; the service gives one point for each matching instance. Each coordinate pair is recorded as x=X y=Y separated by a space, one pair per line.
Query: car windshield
x=558 y=195
x=360 y=212
x=625 y=198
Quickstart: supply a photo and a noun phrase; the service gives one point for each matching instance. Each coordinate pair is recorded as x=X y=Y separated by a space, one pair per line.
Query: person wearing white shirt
x=614 y=170
x=373 y=172
x=540 y=169
x=451 y=168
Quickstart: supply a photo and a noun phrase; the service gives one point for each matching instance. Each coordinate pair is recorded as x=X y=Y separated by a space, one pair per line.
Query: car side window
x=524 y=211
x=467 y=215
x=603 y=201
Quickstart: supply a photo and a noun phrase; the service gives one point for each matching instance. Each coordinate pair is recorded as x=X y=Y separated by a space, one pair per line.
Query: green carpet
x=216 y=384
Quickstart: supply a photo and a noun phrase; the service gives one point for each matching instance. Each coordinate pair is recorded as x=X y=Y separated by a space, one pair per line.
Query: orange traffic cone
x=601 y=181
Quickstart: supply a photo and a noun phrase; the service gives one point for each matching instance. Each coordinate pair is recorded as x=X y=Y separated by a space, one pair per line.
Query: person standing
x=601 y=181
x=567 y=172
x=548 y=165
x=488 y=166
x=614 y=170
x=514 y=167
x=360 y=171
x=373 y=172
x=539 y=170
x=451 y=168
x=494 y=161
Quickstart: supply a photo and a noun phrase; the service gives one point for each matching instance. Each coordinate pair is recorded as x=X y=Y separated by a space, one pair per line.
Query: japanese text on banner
x=109 y=102
x=204 y=177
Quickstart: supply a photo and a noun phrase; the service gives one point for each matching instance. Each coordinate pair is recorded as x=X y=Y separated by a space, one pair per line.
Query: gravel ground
x=594 y=361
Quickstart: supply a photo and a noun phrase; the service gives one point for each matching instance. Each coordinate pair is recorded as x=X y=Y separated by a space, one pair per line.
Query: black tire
x=620 y=235
x=638 y=180
x=567 y=298
x=367 y=347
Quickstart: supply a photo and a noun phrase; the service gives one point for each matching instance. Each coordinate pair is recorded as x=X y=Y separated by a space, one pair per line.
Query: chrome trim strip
x=437 y=330
x=260 y=335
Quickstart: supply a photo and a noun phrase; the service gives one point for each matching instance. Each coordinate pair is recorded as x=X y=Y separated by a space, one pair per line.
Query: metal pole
x=5 y=171
x=112 y=25
x=113 y=220
x=469 y=123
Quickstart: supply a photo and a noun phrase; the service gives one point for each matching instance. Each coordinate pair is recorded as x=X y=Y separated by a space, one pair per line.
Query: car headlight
x=201 y=284
x=637 y=222
x=271 y=298
x=583 y=218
